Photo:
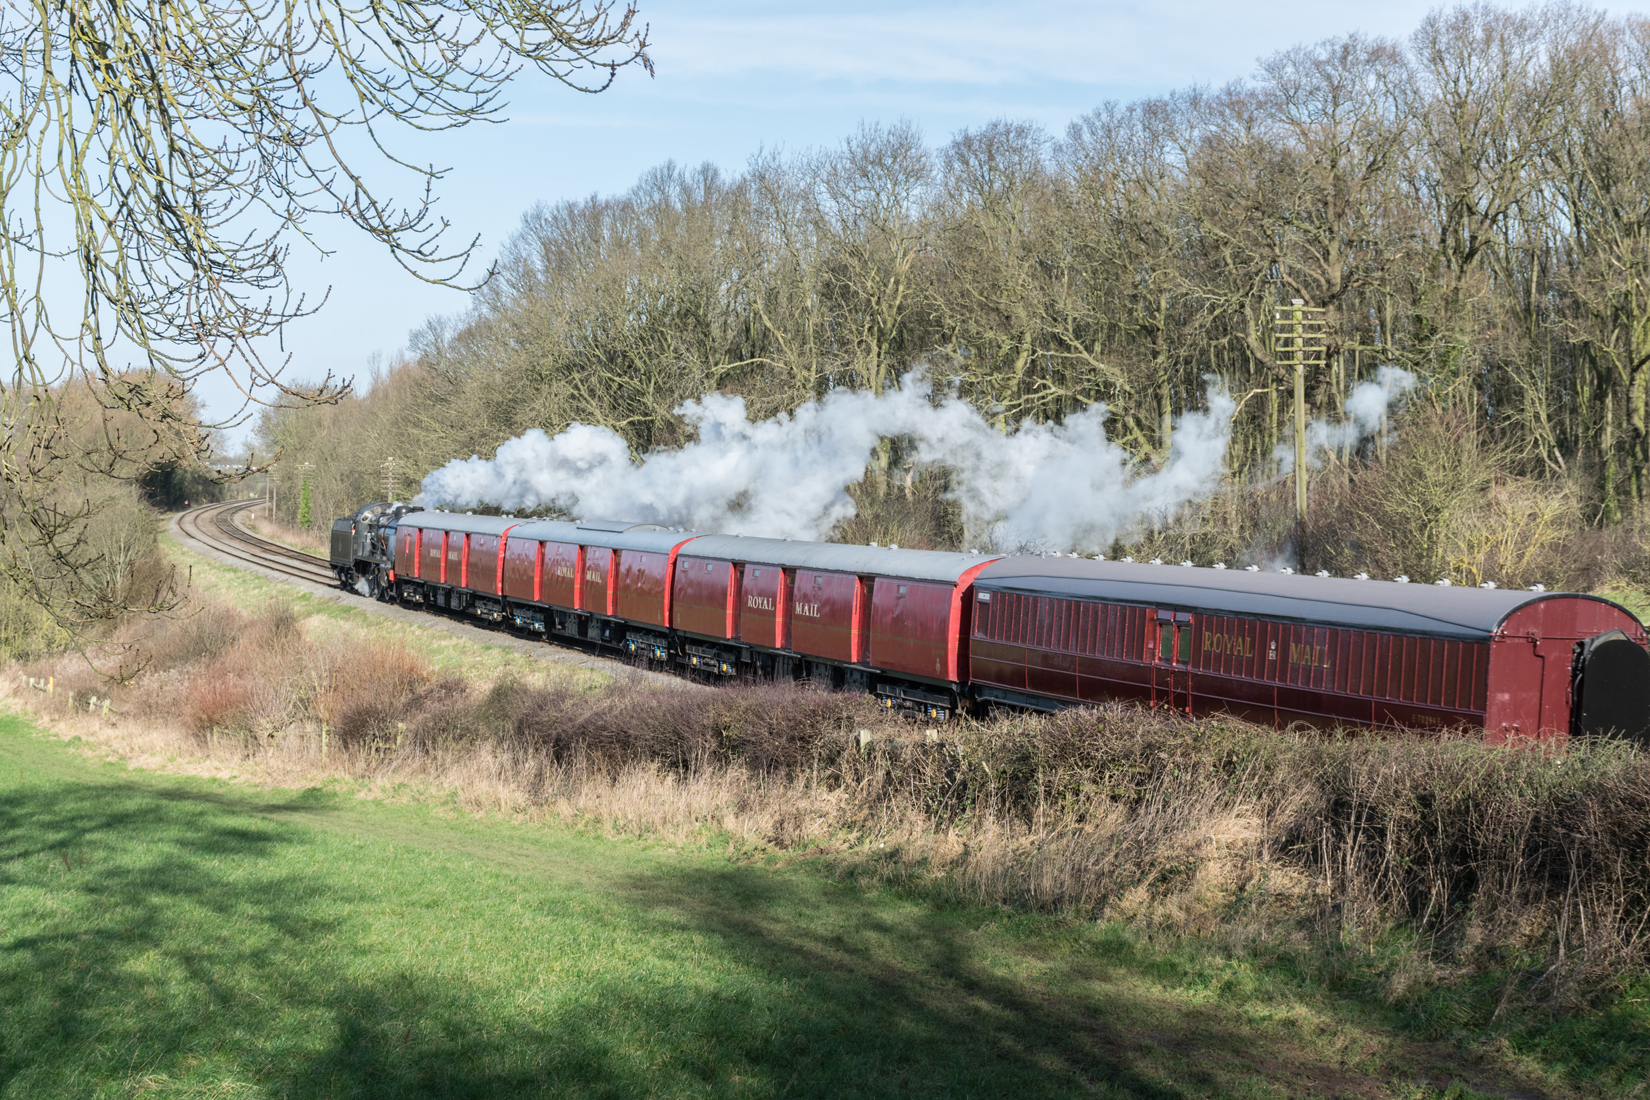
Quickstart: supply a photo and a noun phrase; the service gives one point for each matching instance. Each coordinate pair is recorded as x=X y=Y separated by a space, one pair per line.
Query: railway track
x=214 y=526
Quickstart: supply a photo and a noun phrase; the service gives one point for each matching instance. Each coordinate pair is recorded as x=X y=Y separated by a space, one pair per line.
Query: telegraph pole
x=1299 y=340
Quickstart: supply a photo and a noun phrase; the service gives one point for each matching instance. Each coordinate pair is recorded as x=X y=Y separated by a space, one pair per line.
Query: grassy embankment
x=794 y=933
x=172 y=936
x=259 y=522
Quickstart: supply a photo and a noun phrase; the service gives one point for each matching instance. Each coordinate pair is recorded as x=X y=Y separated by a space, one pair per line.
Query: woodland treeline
x=1472 y=204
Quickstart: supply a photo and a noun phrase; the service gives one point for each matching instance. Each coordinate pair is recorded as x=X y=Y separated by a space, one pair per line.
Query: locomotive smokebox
x=1612 y=687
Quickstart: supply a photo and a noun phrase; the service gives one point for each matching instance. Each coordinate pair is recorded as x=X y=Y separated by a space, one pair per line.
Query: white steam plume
x=1059 y=487
x=1362 y=416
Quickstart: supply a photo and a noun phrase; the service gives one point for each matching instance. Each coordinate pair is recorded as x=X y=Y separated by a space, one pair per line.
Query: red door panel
x=559 y=576
x=700 y=601
x=824 y=615
x=641 y=586
x=760 y=603
x=594 y=593
x=521 y=559
x=481 y=568
x=910 y=627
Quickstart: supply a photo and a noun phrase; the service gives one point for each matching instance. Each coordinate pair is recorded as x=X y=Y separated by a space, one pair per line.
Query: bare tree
x=158 y=162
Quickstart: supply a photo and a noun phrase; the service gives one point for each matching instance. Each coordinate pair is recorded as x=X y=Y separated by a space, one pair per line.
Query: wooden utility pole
x=1299 y=339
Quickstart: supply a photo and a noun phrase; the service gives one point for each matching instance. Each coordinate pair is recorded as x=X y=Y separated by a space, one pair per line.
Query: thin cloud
x=995 y=44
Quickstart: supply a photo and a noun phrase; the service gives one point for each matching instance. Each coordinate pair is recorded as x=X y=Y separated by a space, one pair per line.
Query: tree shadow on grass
x=178 y=941
x=904 y=999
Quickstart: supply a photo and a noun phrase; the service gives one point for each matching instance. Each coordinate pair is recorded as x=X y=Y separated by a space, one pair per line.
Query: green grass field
x=165 y=936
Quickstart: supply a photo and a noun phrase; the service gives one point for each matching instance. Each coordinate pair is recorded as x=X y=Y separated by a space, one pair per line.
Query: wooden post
x=1299 y=340
x=1300 y=436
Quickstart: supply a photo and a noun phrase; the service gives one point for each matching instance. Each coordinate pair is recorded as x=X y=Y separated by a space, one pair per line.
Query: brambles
x=1420 y=863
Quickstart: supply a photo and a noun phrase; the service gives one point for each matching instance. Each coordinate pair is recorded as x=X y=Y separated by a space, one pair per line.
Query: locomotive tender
x=928 y=632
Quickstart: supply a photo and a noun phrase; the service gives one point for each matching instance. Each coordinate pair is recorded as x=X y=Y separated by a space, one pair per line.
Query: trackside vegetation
x=170 y=936
x=1106 y=901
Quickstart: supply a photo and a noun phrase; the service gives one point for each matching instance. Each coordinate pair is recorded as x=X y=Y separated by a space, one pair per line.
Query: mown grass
x=1117 y=899
x=164 y=936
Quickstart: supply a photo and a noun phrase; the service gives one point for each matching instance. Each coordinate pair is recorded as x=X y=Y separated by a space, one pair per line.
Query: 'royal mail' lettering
x=1312 y=656
x=760 y=603
x=807 y=610
x=1233 y=644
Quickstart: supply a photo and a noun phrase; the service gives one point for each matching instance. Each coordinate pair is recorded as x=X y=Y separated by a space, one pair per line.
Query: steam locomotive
x=930 y=632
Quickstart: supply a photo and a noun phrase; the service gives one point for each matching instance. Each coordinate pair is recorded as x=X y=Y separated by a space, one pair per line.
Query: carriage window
x=818 y=581
x=902 y=590
x=1165 y=641
x=707 y=567
x=1185 y=642
x=759 y=572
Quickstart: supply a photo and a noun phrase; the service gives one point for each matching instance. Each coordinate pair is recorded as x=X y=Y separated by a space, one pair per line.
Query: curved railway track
x=214 y=526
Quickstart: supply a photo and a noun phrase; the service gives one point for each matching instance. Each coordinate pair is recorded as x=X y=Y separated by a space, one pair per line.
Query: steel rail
x=214 y=526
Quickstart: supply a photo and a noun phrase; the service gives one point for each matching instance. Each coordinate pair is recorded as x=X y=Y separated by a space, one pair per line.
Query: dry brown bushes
x=1442 y=857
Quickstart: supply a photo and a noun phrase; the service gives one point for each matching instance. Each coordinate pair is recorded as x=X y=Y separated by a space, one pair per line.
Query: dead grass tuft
x=1469 y=859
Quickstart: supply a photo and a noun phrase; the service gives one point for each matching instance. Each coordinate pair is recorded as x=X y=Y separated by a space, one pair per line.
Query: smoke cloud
x=1054 y=487
x=1363 y=415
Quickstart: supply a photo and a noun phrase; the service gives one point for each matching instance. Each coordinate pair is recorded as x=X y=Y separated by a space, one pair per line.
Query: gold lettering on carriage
x=807 y=610
x=1313 y=656
x=760 y=603
x=565 y=572
x=593 y=576
x=1235 y=645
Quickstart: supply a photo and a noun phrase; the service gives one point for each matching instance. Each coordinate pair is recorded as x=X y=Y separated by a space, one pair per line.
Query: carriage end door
x=1172 y=660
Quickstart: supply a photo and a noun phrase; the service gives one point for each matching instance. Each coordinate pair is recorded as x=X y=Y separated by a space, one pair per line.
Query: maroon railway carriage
x=454 y=561
x=1286 y=648
x=894 y=622
x=599 y=580
x=605 y=581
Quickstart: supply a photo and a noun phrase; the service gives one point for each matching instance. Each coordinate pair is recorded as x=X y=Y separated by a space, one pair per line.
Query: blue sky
x=734 y=76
